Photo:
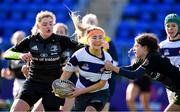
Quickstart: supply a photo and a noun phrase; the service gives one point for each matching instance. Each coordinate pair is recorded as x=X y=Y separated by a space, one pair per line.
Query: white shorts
x=170 y=95
x=18 y=83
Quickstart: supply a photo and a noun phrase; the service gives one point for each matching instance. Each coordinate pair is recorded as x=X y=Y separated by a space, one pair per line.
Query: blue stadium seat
x=16 y=15
x=8 y=1
x=31 y=15
x=176 y=8
x=161 y=17
x=169 y=2
x=4 y=7
x=52 y=7
x=125 y=24
x=70 y=3
x=131 y=11
x=137 y=2
x=10 y=24
x=33 y=7
x=122 y=34
x=153 y=1
x=148 y=8
x=55 y=1
x=37 y=1
x=24 y=1
x=145 y=17
x=20 y=14
x=61 y=18
x=18 y=7
x=142 y=26
x=125 y=29
x=163 y=8
x=2 y=16
x=26 y=26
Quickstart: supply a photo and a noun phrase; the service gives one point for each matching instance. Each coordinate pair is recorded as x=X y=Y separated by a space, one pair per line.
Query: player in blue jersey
x=92 y=88
x=171 y=46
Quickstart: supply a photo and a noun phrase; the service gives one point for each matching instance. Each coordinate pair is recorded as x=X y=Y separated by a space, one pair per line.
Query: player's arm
x=79 y=91
x=97 y=86
x=25 y=70
x=10 y=54
x=131 y=74
x=94 y=87
x=66 y=75
x=69 y=68
x=16 y=52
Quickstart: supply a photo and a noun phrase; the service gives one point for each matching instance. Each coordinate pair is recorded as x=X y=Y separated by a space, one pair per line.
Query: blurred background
x=121 y=19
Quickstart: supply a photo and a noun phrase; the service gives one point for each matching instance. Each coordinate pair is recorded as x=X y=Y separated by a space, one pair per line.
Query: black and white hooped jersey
x=171 y=49
x=89 y=68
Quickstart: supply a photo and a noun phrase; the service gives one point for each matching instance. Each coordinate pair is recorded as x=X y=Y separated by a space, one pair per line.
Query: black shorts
x=144 y=83
x=96 y=99
x=32 y=91
x=112 y=85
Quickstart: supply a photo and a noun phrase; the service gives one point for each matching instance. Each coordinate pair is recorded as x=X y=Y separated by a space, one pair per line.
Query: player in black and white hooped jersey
x=171 y=46
x=92 y=88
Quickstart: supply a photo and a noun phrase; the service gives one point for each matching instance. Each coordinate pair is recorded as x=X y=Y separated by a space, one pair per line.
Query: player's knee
x=130 y=99
x=19 y=105
x=97 y=105
x=90 y=108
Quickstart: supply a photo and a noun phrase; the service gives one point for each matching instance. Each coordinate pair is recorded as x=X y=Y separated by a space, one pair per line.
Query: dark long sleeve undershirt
x=132 y=74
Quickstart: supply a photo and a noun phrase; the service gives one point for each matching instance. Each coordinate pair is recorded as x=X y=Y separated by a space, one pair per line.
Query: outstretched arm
x=19 y=51
x=11 y=55
x=131 y=74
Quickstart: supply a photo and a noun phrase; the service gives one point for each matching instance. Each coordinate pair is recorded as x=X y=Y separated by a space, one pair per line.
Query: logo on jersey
x=34 y=48
x=146 y=62
x=162 y=56
x=166 y=52
x=157 y=75
x=44 y=55
x=53 y=48
x=85 y=67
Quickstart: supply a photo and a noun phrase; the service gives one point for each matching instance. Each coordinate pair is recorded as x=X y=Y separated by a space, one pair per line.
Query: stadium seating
x=140 y=16
x=20 y=14
x=147 y=16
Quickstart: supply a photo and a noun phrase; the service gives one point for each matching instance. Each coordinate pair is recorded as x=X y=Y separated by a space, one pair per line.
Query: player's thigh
x=28 y=93
x=132 y=91
x=19 y=105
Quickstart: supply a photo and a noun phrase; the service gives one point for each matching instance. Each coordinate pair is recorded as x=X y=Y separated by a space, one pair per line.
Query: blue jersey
x=89 y=68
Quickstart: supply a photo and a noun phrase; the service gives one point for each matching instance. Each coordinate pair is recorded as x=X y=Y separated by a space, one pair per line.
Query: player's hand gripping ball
x=61 y=88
